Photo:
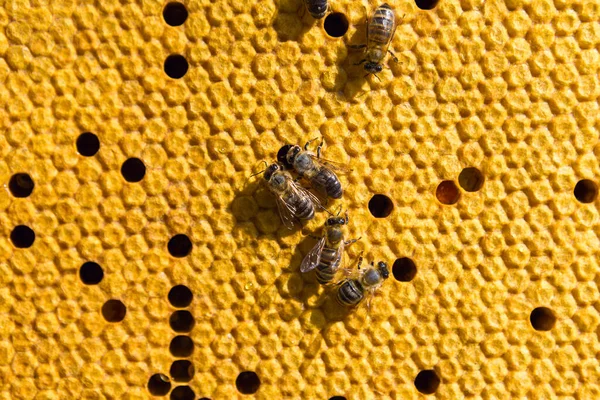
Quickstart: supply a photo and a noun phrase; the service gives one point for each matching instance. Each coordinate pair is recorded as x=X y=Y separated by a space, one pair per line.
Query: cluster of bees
x=296 y=203
x=381 y=28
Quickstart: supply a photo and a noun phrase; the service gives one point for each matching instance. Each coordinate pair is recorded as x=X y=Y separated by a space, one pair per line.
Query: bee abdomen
x=349 y=293
x=382 y=25
x=316 y=8
x=329 y=182
x=328 y=265
x=305 y=208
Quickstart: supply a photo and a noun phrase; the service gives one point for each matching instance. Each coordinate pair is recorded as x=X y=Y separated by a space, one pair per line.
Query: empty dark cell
x=176 y=66
x=175 y=14
x=380 y=206
x=427 y=381
x=247 y=382
x=336 y=25
x=133 y=170
x=282 y=156
x=447 y=193
x=91 y=273
x=179 y=246
x=180 y=296
x=159 y=385
x=204 y=398
x=88 y=144
x=542 y=319
x=183 y=393
x=22 y=236
x=181 y=346
x=426 y=4
x=182 y=321
x=114 y=311
x=404 y=269
x=470 y=179
x=586 y=191
x=21 y=185
x=182 y=371
x=337 y=398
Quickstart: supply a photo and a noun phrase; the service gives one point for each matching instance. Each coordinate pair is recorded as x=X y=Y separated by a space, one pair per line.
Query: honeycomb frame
x=509 y=87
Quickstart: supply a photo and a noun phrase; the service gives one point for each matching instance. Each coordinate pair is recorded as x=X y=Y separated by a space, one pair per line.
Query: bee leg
x=369 y=300
x=309 y=142
x=393 y=56
x=360 y=260
x=349 y=242
x=319 y=147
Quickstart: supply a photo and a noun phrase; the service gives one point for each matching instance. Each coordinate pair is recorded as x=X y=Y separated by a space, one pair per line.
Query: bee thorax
x=371 y=277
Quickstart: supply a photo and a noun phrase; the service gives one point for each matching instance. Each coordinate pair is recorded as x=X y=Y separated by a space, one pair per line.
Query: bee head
x=373 y=67
x=383 y=269
x=282 y=156
x=292 y=153
x=270 y=171
x=335 y=221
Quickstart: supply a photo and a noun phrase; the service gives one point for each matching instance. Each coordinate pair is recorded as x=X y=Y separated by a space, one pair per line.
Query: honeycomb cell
x=182 y=321
x=114 y=311
x=447 y=193
x=87 y=144
x=91 y=273
x=336 y=25
x=21 y=185
x=159 y=385
x=175 y=14
x=380 y=206
x=247 y=382
x=179 y=246
x=542 y=319
x=22 y=236
x=181 y=346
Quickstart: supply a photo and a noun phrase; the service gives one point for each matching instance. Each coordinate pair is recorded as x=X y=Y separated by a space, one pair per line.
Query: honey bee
x=293 y=201
x=327 y=255
x=317 y=171
x=316 y=8
x=351 y=291
x=380 y=31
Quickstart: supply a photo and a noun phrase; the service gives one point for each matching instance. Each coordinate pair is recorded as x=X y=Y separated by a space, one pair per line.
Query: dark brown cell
x=447 y=193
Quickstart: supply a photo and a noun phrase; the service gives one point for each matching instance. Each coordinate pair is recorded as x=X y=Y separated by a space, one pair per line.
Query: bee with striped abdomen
x=293 y=201
x=351 y=291
x=317 y=171
x=380 y=32
x=328 y=254
x=316 y=8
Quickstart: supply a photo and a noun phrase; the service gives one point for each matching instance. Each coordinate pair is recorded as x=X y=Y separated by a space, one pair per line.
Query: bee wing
x=340 y=255
x=302 y=191
x=287 y=212
x=311 y=260
x=332 y=165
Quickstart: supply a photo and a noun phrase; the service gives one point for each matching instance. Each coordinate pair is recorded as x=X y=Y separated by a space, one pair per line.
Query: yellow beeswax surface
x=508 y=87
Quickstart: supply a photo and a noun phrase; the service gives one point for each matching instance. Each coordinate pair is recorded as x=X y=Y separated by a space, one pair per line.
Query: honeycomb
x=139 y=258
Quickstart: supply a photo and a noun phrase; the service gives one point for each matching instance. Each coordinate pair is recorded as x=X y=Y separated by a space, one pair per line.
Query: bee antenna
x=375 y=75
x=260 y=172
x=339 y=210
